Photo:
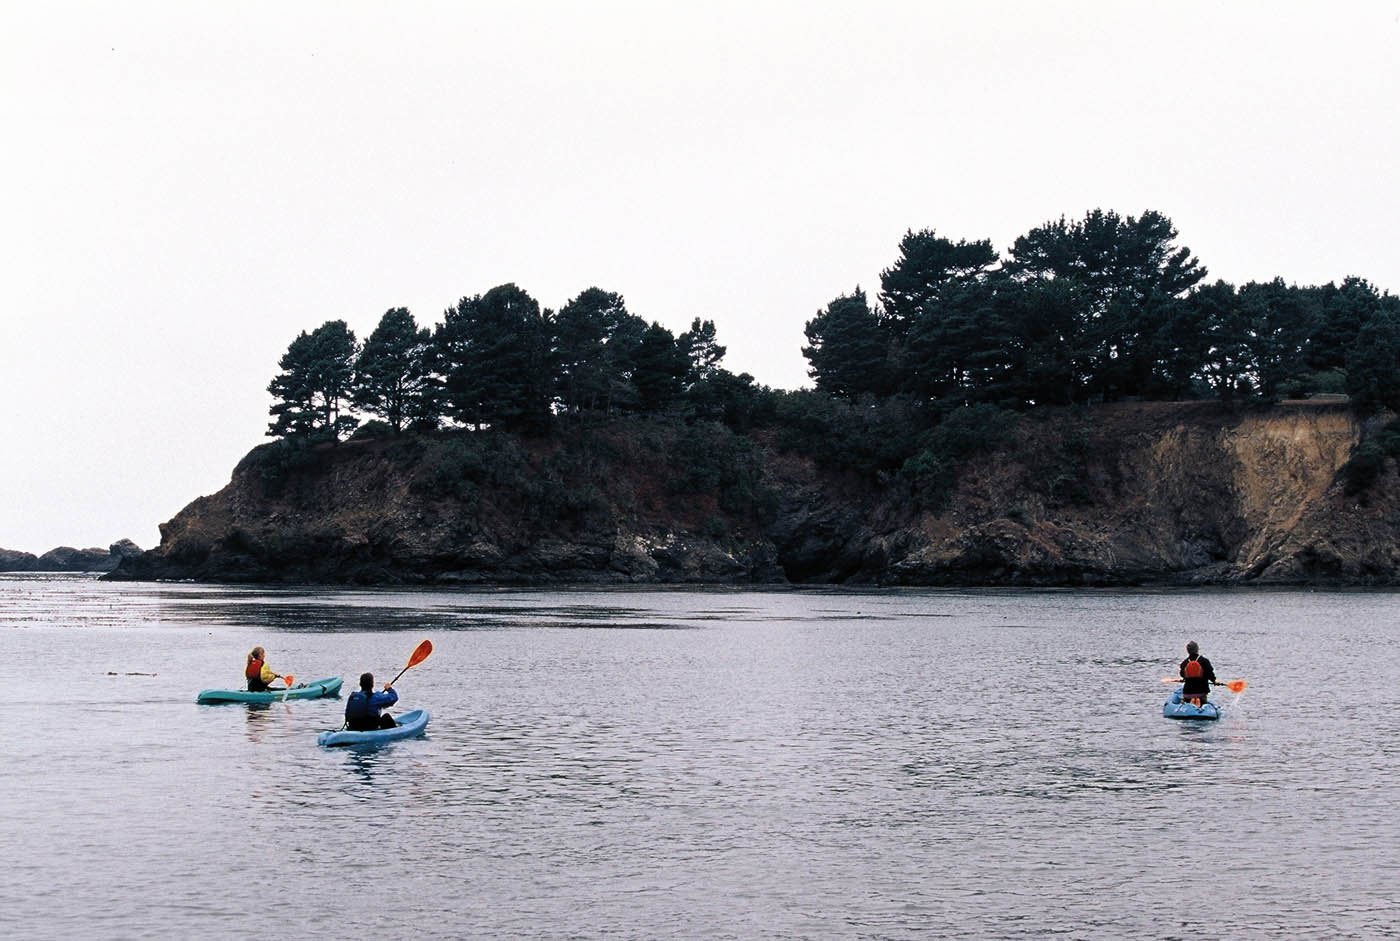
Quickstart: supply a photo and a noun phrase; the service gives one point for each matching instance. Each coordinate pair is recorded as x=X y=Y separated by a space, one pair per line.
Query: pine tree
x=846 y=347
x=494 y=354
x=313 y=389
x=393 y=372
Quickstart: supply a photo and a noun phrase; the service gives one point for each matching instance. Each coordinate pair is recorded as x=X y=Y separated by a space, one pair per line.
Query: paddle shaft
x=420 y=653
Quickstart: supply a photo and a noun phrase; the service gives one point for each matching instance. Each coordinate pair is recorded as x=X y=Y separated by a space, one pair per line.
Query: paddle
x=288 y=679
x=1234 y=686
x=420 y=653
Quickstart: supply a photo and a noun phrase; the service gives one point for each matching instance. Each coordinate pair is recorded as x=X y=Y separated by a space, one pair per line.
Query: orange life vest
x=254 y=671
x=1193 y=670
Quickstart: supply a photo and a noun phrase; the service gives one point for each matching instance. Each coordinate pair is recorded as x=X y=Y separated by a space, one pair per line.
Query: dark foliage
x=313 y=390
x=1369 y=459
x=868 y=435
x=963 y=433
x=907 y=388
x=393 y=373
x=493 y=353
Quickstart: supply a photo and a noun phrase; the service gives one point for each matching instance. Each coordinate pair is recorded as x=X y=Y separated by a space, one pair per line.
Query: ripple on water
x=679 y=764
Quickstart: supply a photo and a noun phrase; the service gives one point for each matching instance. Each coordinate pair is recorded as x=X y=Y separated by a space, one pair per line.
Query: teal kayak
x=410 y=724
x=1174 y=708
x=330 y=686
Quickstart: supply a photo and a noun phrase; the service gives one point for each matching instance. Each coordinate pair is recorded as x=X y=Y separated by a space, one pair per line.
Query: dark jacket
x=1199 y=684
x=362 y=712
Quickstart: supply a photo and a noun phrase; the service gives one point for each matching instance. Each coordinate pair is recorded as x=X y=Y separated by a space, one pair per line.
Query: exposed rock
x=1187 y=493
x=123 y=548
x=12 y=560
x=68 y=559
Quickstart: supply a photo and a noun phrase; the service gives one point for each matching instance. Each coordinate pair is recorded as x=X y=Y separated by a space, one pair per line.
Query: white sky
x=187 y=186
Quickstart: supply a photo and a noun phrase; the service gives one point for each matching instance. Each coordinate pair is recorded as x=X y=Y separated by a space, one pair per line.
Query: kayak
x=411 y=724
x=330 y=686
x=1174 y=708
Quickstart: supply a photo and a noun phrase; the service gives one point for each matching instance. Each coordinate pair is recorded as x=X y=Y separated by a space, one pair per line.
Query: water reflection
x=368 y=767
x=255 y=719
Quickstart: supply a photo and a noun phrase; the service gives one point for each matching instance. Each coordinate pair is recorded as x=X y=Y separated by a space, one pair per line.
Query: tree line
x=499 y=360
x=1100 y=309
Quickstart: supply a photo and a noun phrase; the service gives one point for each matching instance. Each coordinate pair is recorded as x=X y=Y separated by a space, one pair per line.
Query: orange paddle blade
x=288 y=679
x=420 y=654
x=1236 y=686
x=1171 y=679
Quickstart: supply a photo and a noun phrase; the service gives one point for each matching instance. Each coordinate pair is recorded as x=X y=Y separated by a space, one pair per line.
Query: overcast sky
x=187 y=186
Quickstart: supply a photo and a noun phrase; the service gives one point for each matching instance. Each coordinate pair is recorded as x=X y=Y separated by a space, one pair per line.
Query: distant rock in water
x=1117 y=494
x=12 y=560
x=68 y=559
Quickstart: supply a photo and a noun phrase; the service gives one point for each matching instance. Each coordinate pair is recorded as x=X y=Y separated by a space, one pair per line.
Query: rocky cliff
x=1114 y=494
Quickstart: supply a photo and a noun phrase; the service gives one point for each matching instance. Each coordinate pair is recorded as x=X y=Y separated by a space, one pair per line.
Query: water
x=701 y=764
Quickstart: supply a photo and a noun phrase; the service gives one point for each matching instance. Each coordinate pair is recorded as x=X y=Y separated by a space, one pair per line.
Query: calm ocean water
x=701 y=764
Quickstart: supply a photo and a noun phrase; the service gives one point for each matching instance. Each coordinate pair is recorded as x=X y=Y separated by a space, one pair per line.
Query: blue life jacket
x=362 y=712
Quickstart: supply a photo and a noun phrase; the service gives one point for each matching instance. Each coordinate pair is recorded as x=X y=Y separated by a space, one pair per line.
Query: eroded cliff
x=1118 y=494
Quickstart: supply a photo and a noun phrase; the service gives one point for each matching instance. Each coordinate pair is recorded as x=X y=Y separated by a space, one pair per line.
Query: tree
x=393 y=372
x=594 y=341
x=1027 y=349
x=1338 y=318
x=735 y=400
x=1131 y=275
x=928 y=269
x=1373 y=362
x=847 y=347
x=1214 y=332
x=313 y=389
x=701 y=351
x=1279 y=320
x=954 y=345
x=493 y=352
x=580 y=330
x=659 y=370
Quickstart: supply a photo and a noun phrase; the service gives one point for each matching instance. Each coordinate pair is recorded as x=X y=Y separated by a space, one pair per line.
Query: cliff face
x=1174 y=493
x=1124 y=494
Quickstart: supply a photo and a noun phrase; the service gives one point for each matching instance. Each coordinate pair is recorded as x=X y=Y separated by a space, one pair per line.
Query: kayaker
x=257 y=672
x=363 y=705
x=1197 y=676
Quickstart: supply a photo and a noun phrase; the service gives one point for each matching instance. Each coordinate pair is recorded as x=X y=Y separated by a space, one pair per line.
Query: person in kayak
x=257 y=672
x=363 y=705
x=1197 y=676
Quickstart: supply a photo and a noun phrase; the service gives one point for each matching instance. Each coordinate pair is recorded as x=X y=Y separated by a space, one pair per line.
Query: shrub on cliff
x=454 y=469
x=1367 y=462
x=866 y=435
x=965 y=432
x=275 y=463
x=711 y=460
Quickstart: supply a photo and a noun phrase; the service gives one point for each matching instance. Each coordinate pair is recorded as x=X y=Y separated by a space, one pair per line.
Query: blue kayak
x=411 y=724
x=1174 y=708
x=330 y=686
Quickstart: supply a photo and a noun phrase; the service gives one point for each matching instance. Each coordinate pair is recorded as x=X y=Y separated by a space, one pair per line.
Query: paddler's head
x=1191 y=648
x=367 y=682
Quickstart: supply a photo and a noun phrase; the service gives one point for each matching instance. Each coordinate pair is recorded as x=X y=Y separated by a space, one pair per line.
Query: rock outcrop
x=68 y=559
x=12 y=560
x=1111 y=495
